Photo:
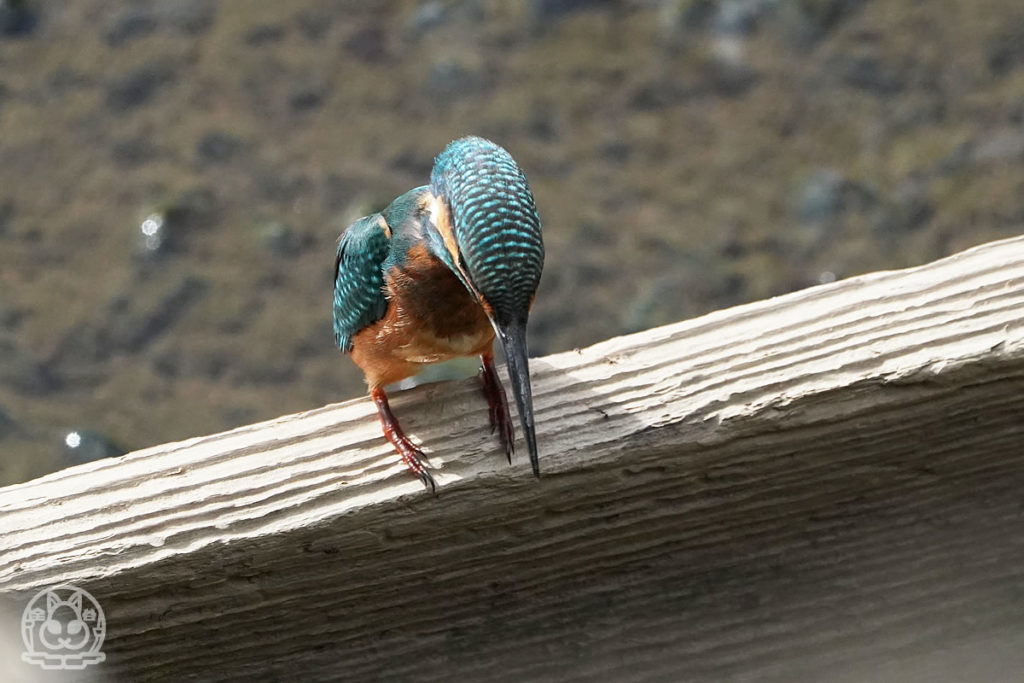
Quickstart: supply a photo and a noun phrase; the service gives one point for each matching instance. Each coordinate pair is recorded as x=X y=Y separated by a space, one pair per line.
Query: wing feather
x=359 y=278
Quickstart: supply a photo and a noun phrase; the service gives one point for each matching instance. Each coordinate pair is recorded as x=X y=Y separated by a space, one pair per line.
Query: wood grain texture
x=827 y=485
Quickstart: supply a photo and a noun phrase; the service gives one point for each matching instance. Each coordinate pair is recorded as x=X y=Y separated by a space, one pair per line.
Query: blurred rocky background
x=174 y=175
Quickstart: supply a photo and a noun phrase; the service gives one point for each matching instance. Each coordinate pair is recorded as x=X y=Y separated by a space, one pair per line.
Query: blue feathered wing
x=359 y=278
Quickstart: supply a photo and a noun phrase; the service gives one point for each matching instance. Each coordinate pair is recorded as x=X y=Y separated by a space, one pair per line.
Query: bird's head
x=484 y=214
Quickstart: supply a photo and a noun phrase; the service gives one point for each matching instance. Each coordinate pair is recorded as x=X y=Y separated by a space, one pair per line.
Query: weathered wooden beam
x=826 y=484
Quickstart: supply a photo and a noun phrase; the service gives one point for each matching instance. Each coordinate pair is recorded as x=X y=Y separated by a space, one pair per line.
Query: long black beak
x=513 y=342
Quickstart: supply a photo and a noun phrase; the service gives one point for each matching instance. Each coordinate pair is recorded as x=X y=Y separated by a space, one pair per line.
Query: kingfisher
x=438 y=274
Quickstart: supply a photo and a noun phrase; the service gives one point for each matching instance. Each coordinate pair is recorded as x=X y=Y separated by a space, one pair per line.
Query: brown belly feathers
x=431 y=317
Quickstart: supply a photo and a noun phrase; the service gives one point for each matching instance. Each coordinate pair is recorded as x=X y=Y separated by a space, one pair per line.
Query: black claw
x=411 y=455
x=498 y=411
x=428 y=480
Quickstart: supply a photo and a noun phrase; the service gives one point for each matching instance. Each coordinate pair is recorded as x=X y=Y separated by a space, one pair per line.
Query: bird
x=440 y=273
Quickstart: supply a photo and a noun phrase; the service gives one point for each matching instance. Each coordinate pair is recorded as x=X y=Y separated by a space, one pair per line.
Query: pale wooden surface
x=823 y=486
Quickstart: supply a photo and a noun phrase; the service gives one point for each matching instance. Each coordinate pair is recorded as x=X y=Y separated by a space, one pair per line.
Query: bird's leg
x=411 y=455
x=501 y=419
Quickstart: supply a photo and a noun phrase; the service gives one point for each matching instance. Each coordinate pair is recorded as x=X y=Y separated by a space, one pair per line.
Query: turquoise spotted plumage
x=439 y=273
x=358 y=278
x=495 y=222
x=368 y=249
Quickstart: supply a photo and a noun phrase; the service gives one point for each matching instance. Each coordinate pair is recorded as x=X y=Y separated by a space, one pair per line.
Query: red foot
x=501 y=419
x=411 y=455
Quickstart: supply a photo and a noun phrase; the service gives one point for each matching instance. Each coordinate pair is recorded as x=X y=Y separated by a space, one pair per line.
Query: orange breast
x=431 y=317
